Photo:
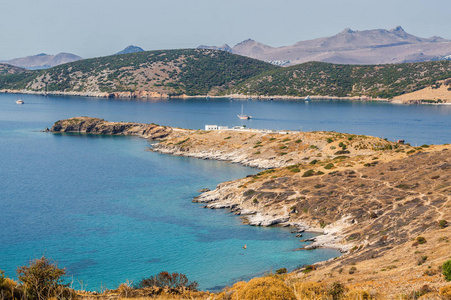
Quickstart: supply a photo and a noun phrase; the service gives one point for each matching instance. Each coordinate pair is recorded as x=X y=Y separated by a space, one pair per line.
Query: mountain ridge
x=375 y=46
x=43 y=61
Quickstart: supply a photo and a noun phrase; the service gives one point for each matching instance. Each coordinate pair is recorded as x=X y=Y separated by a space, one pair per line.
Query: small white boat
x=307 y=98
x=19 y=101
x=243 y=116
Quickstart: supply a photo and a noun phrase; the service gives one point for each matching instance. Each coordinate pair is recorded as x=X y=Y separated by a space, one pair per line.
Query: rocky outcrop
x=236 y=156
x=100 y=126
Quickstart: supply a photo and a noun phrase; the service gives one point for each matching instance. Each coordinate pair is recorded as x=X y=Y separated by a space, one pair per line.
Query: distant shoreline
x=156 y=96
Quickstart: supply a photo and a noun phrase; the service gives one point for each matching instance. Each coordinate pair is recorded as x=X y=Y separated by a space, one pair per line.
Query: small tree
x=42 y=279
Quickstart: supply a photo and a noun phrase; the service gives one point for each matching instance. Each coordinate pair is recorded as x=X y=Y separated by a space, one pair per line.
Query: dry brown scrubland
x=441 y=91
x=384 y=204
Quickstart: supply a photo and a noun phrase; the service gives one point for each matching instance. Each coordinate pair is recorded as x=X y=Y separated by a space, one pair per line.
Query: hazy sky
x=92 y=28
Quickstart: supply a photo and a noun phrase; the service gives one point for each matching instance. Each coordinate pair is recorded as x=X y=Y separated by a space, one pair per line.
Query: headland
x=377 y=201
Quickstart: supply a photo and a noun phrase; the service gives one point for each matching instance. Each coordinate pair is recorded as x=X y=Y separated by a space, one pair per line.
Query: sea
x=111 y=212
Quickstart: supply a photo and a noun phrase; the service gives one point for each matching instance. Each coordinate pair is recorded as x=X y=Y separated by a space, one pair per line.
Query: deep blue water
x=110 y=211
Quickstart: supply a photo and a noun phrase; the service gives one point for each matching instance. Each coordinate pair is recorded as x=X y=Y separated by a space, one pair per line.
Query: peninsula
x=385 y=205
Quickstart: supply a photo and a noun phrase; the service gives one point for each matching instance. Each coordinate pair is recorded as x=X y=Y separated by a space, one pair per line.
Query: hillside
x=165 y=72
x=324 y=79
x=43 y=61
x=377 y=46
x=194 y=72
x=6 y=69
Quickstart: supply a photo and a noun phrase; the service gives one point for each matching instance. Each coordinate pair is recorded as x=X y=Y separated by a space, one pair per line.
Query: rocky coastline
x=368 y=198
x=301 y=149
x=99 y=126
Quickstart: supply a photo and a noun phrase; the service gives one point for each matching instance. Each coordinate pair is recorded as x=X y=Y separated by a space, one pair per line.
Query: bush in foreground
x=42 y=279
x=166 y=279
x=8 y=288
x=268 y=288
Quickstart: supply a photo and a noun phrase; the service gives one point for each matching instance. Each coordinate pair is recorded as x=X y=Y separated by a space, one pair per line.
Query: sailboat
x=243 y=116
x=19 y=101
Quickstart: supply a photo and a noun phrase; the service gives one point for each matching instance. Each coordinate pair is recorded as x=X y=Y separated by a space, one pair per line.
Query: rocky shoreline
x=307 y=183
x=371 y=199
x=148 y=95
x=221 y=198
x=156 y=95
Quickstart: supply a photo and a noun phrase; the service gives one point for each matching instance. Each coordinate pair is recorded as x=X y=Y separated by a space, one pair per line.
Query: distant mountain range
x=130 y=49
x=43 y=61
x=378 y=46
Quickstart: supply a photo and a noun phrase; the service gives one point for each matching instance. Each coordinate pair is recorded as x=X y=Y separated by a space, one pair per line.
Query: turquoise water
x=110 y=211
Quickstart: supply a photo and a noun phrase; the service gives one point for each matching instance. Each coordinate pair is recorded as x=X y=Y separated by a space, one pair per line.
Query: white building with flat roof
x=211 y=127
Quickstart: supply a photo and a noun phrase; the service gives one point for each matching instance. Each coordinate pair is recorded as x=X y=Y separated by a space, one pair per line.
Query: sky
x=92 y=28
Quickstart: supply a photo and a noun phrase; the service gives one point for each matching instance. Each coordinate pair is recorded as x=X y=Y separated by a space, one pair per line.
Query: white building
x=211 y=127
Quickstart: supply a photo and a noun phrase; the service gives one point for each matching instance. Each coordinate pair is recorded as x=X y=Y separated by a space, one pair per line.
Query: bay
x=110 y=211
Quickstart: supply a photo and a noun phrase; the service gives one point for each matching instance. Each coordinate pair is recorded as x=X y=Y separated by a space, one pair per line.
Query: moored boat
x=243 y=116
x=19 y=101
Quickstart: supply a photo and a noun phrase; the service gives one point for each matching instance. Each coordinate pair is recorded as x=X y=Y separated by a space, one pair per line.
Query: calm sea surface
x=109 y=211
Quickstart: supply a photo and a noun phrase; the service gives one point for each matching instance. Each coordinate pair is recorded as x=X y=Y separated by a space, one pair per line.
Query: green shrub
x=166 y=279
x=308 y=173
x=422 y=259
x=329 y=166
x=336 y=290
x=421 y=240
x=329 y=140
x=341 y=152
x=42 y=279
x=446 y=270
x=281 y=271
x=313 y=162
x=442 y=223
x=308 y=269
